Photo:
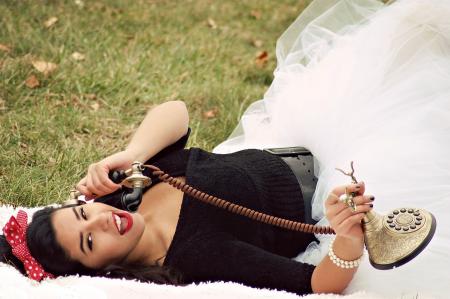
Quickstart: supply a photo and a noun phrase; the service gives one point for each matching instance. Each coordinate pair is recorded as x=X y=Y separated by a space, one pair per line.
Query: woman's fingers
x=101 y=171
x=105 y=181
x=97 y=183
x=351 y=188
x=345 y=227
x=101 y=183
x=81 y=183
x=342 y=218
x=338 y=207
x=97 y=186
x=347 y=212
x=362 y=188
x=90 y=186
x=81 y=186
x=358 y=189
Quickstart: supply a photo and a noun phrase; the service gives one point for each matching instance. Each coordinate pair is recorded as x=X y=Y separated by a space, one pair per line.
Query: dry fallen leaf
x=257 y=43
x=5 y=48
x=32 y=82
x=43 y=66
x=79 y=3
x=211 y=113
x=77 y=56
x=75 y=101
x=261 y=58
x=256 y=14
x=95 y=106
x=50 y=22
x=212 y=23
x=90 y=96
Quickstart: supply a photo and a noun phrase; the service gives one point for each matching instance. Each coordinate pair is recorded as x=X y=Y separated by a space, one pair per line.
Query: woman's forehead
x=64 y=224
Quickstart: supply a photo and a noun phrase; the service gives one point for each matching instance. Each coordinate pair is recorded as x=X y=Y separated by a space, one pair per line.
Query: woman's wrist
x=348 y=249
x=133 y=154
x=119 y=160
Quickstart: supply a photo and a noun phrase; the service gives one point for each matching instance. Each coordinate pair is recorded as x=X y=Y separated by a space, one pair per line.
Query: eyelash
x=89 y=240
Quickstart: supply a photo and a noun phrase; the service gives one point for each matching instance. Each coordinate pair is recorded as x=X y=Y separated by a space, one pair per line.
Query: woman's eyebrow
x=81 y=234
x=76 y=214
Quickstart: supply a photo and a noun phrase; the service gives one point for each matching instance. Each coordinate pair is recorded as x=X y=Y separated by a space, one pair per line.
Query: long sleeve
x=221 y=257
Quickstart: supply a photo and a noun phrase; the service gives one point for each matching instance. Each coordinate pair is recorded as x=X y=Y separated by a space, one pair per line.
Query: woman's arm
x=162 y=126
x=329 y=278
x=349 y=243
x=219 y=256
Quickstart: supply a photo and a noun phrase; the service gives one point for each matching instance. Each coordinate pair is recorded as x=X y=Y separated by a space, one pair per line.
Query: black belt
x=301 y=162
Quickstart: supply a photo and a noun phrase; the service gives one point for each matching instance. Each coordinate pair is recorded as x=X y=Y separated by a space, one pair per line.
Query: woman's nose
x=99 y=221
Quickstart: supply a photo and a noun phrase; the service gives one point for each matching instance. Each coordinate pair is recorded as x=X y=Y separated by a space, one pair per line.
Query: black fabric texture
x=211 y=244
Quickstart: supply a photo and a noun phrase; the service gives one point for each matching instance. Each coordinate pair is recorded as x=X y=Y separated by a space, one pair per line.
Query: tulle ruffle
x=365 y=82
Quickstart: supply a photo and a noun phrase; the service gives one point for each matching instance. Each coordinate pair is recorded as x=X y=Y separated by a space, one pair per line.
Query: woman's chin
x=138 y=225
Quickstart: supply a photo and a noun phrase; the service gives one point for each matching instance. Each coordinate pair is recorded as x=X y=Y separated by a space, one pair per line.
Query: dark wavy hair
x=41 y=241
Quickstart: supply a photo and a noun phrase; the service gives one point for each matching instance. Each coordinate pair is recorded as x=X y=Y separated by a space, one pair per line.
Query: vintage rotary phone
x=391 y=240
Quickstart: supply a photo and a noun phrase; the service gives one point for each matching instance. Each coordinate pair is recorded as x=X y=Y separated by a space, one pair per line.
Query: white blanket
x=15 y=285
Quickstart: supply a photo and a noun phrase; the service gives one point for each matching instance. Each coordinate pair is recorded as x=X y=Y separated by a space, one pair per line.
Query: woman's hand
x=343 y=220
x=96 y=183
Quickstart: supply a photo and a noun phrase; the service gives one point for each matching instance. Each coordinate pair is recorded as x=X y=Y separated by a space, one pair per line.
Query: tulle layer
x=364 y=82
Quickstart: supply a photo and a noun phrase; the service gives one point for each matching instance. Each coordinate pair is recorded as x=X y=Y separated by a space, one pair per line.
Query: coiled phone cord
x=237 y=209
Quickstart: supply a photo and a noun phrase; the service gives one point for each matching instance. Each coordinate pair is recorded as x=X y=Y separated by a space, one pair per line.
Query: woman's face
x=96 y=234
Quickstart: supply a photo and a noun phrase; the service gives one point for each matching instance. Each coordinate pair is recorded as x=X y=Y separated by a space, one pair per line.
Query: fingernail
x=372 y=198
x=371 y=205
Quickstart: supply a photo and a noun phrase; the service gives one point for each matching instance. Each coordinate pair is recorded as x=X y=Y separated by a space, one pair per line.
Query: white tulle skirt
x=366 y=82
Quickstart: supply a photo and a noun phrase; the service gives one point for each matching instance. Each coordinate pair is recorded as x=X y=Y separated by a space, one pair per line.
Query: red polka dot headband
x=15 y=233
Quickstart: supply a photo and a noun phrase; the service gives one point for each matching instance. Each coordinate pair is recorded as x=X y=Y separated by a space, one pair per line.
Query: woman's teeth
x=118 y=222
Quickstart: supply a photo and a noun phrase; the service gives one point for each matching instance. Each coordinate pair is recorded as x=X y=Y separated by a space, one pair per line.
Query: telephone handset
x=391 y=240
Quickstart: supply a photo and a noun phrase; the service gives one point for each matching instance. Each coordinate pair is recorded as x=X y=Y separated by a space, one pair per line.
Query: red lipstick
x=126 y=220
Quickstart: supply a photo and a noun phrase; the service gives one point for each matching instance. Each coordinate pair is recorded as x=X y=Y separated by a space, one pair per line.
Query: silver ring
x=348 y=200
x=345 y=197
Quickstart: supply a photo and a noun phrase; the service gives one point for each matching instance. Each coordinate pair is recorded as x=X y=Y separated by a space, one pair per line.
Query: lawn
x=77 y=77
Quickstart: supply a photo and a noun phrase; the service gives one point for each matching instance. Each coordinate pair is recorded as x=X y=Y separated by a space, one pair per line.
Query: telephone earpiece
x=134 y=179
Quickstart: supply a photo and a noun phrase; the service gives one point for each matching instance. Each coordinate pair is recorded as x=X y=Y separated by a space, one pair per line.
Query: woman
x=369 y=74
x=176 y=239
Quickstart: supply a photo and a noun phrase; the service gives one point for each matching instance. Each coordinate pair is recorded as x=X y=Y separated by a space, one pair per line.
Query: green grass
x=137 y=54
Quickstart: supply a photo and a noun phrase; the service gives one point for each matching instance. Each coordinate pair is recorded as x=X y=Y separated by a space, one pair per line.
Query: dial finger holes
x=404 y=220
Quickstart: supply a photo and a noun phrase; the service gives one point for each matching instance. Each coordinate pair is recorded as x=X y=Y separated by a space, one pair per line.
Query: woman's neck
x=160 y=208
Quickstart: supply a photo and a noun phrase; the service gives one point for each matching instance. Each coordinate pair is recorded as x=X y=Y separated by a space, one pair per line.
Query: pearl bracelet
x=342 y=263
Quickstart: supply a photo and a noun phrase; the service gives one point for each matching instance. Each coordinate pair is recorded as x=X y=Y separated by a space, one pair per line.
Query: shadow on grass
x=259 y=77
